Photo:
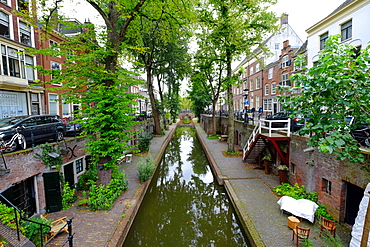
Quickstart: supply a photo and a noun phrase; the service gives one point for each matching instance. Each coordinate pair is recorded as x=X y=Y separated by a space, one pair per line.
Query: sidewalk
x=250 y=191
x=106 y=228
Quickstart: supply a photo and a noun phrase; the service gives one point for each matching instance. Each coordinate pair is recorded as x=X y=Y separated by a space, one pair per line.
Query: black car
x=74 y=127
x=296 y=123
x=34 y=129
x=361 y=133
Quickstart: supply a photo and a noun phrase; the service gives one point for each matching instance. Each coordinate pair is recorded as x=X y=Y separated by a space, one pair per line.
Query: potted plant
x=267 y=160
x=283 y=173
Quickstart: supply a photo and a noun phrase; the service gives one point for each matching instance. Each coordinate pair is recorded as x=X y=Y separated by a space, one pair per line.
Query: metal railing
x=267 y=125
x=16 y=210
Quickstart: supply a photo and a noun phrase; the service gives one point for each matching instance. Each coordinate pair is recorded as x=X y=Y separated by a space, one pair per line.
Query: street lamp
x=246 y=104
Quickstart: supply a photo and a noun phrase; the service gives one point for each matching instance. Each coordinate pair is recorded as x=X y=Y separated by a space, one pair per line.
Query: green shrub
x=295 y=191
x=186 y=121
x=103 y=197
x=145 y=168
x=144 y=142
x=33 y=230
x=299 y=192
x=213 y=137
x=68 y=196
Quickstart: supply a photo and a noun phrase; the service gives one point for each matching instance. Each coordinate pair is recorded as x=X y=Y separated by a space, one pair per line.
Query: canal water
x=184 y=205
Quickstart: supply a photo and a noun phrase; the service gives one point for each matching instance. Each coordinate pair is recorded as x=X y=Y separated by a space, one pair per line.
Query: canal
x=184 y=205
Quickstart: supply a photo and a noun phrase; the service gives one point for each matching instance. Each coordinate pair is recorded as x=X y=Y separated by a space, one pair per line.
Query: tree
x=199 y=96
x=233 y=28
x=163 y=31
x=338 y=86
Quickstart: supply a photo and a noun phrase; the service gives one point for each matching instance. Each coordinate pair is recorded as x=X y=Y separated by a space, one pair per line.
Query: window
x=285 y=62
x=323 y=39
x=267 y=88
x=251 y=85
x=277 y=46
x=4 y=2
x=29 y=69
x=4 y=25
x=251 y=71
x=14 y=63
x=53 y=104
x=257 y=101
x=285 y=80
x=258 y=82
x=267 y=104
x=257 y=67
x=23 y=5
x=25 y=33
x=65 y=108
x=79 y=166
x=346 y=30
x=293 y=168
x=271 y=71
x=56 y=69
x=273 y=88
x=326 y=186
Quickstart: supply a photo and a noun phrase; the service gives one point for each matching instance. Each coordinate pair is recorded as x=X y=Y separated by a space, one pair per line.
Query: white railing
x=257 y=130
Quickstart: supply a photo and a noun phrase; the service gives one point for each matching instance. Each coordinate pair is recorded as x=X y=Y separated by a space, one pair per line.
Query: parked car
x=296 y=123
x=35 y=129
x=362 y=133
x=74 y=127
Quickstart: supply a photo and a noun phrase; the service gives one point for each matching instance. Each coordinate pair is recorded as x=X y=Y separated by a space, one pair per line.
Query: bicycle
x=17 y=140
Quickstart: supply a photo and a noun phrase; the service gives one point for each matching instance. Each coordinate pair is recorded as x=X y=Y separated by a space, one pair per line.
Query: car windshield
x=10 y=121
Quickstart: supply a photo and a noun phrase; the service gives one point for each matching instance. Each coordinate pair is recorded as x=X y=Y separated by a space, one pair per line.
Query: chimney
x=284 y=19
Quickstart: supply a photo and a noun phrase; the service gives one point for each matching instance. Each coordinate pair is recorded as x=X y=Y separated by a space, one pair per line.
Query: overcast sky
x=305 y=13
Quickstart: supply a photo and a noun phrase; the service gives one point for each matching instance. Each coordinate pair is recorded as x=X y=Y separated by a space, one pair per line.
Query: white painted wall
x=359 y=12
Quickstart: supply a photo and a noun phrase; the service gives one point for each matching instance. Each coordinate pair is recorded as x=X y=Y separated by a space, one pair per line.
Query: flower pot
x=283 y=176
x=267 y=166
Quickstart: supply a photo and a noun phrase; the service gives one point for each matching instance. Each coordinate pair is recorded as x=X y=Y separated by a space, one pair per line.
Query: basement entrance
x=353 y=198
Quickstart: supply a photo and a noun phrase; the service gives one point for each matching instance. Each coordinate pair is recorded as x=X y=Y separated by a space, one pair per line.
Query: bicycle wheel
x=21 y=141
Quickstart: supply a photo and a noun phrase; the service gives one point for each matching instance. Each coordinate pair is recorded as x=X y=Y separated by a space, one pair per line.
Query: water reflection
x=185 y=207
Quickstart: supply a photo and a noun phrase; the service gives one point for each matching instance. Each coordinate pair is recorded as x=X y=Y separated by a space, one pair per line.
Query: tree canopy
x=336 y=87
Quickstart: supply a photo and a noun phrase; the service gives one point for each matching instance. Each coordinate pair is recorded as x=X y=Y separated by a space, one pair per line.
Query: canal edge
x=249 y=228
x=123 y=227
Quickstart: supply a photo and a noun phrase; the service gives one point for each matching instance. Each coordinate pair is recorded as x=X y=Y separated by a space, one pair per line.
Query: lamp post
x=246 y=104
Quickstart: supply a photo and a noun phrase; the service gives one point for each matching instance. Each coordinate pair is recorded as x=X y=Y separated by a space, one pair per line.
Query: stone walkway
x=248 y=188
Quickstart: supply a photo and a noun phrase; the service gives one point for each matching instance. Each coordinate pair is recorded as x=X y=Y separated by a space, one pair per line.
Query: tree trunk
x=230 y=104
x=155 y=112
x=214 y=128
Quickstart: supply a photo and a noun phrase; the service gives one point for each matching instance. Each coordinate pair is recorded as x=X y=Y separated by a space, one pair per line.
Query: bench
x=223 y=138
x=59 y=225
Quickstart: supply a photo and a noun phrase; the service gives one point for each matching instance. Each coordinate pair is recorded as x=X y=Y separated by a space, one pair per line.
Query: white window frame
x=258 y=82
x=5 y=23
x=350 y=27
x=267 y=88
x=251 y=85
x=284 y=79
x=25 y=29
x=284 y=61
x=273 y=88
x=251 y=70
x=257 y=67
x=53 y=102
x=271 y=72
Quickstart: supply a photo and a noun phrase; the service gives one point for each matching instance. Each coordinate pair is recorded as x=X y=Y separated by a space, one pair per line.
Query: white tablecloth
x=301 y=207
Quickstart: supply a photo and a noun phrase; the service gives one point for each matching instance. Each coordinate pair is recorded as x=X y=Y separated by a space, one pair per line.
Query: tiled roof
x=342 y=6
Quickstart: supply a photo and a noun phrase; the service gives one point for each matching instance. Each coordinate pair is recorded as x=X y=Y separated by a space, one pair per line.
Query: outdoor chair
x=301 y=233
x=328 y=225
